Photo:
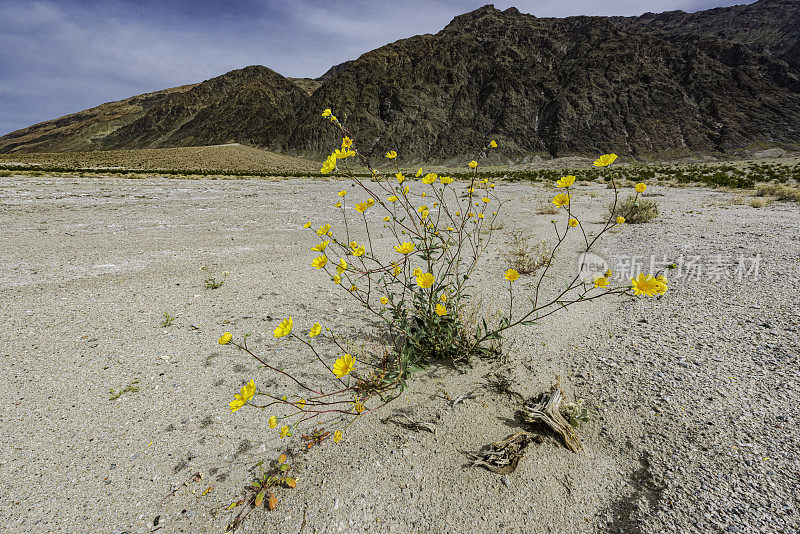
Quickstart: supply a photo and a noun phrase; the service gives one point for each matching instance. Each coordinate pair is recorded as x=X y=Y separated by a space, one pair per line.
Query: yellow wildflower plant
x=392 y=199
x=320 y=261
x=344 y=366
x=493 y=143
x=473 y=164
x=327 y=113
x=341 y=266
x=561 y=200
x=284 y=328
x=329 y=165
x=648 y=285
x=337 y=279
x=573 y=222
x=440 y=309
x=405 y=248
x=640 y=187
x=446 y=180
x=347 y=142
x=337 y=436
x=384 y=300
x=419 y=173
x=605 y=160
x=321 y=246
x=342 y=193
x=425 y=280
x=272 y=422
x=225 y=338
x=391 y=154
x=429 y=178
x=361 y=207
x=244 y=396
x=620 y=220
x=565 y=181
x=315 y=330
x=601 y=281
x=357 y=250
x=324 y=229
x=511 y=275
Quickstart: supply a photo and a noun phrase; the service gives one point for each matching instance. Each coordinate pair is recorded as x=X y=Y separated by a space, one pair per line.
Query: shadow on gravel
x=625 y=514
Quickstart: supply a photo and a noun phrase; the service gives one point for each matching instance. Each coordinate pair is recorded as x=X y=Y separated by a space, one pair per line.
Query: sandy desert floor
x=696 y=392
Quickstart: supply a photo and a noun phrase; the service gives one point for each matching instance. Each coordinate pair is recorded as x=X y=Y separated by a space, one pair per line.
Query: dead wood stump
x=546 y=409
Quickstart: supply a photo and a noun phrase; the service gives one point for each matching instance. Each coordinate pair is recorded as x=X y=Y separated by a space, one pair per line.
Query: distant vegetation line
x=712 y=175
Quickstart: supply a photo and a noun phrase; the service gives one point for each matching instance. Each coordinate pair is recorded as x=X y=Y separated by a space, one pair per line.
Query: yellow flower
x=361 y=207
x=284 y=431
x=301 y=403
x=343 y=366
x=386 y=219
x=392 y=198
x=425 y=280
x=358 y=407
x=343 y=153
x=424 y=194
x=358 y=251
x=565 y=181
x=391 y=154
x=225 y=338
x=429 y=178
x=473 y=164
x=493 y=143
x=470 y=214
x=347 y=142
x=620 y=220
x=400 y=177
x=241 y=398
x=324 y=229
x=337 y=205
x=486 y=199
x=284 y=329
x=419 y=173
x=601 y=281
x=384 y=301
x=320 y=261
x=342 y=193
x=337 y=279
x=370 y=202
x=307 y=225
x=315 y=330
x=648 y=285
x=337 y=436
x=272 y=422
x=511 y=275
x=396 y=269
x=663 y=280
x=446 y=180
x=405 y=248
x=340 y=268
x=480 y=215
x=457 y=214
x=640 y=187
x=440 y=309
x=605 y=160
x=561 y=200
x=443 y=297
x=329 y=165
x=321 y=247
x=406 y=190
x=417 y=271
x=326 y=113
x=607 y=274
x=573 y=222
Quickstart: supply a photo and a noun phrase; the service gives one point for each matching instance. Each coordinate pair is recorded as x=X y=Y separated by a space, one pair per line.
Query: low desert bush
x=778 y=192
x=526 y=257
x=419 y=286
x=634 y=209
x=6 y=174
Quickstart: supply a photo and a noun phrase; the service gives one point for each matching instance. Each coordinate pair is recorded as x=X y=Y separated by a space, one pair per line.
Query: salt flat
x=696 y=391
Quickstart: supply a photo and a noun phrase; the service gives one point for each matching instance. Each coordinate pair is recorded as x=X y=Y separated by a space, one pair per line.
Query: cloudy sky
x=59 y=57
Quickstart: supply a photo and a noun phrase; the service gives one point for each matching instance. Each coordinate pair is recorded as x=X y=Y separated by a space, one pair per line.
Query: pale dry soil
x=696 y=392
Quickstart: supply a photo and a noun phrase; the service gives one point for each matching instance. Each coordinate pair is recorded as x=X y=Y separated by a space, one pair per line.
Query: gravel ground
x=695 y=392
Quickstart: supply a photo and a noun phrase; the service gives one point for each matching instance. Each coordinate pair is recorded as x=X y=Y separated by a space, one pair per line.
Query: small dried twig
x=461 y=398
x=403 y=420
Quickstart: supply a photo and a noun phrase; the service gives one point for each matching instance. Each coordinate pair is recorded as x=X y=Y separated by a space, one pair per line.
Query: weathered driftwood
x=547 y=409
x=503 y=456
